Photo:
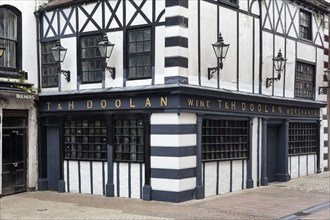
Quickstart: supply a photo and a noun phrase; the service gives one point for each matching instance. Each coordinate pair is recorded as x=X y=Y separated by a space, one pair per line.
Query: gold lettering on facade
x=208 y=104
x=190 y=102
x=118 y=103
x=252 y=107
x=259 y=107
x=273 y=109
x=48 y=105
x=131 y=105
x=279 y=109
x=266 y=108
x=201 y=104
x=219 y=103
x=233 y=105
x=89 y=104
x=59 y=106
x=243 y=106
x=163 y=101
x=71 y=105
x=103 y=103
x=226 y=105
x=148 y=104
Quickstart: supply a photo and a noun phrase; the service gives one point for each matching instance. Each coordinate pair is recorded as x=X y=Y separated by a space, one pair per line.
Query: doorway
x=273 y=137
x=14 y=147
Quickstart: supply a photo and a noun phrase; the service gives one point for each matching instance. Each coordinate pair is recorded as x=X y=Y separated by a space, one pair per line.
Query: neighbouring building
x=18 y=87
x=159 y=119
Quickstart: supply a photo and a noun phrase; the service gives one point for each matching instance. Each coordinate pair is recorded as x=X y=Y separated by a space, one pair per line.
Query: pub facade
x=162 y=118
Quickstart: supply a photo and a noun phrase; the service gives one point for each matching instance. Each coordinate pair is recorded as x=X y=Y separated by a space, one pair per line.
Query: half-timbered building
x=18 y=87
x=163 y=118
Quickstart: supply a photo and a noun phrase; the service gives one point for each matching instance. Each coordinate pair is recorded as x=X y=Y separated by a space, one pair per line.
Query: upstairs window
x=92 y=64
x=9 y=29
x=139 y=53
x=305 y=25
x=50 y=68
x=305 y=81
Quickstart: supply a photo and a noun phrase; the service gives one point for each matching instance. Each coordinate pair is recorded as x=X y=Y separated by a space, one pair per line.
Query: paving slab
x=276 y=201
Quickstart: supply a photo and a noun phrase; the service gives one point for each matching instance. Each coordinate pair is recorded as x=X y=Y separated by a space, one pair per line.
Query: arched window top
x=8 y=24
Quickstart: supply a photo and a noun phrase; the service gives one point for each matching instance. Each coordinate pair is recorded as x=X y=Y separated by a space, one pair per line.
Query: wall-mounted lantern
x=220 y=50
x=279 y=65
x=59 y=53
x=2 y=51
x=326 y=78
x=106 y=48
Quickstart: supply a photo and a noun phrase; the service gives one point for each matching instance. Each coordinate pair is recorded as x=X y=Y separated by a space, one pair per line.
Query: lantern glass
x=327 y=73
x=105 y=47
x=59 y=53
x=279 y=62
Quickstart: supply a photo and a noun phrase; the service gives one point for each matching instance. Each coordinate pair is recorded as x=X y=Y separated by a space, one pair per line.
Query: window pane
x=92 y=62
x=139 y=57
x=50 y=68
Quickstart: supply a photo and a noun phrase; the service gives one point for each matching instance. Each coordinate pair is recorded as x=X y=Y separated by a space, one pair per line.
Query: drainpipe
x=260 y=47
x=37 y=16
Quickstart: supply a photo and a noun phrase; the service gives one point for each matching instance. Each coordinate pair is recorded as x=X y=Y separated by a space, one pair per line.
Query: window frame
x=298 y=135
x=14 y=72
x=309 y=28
x=52 y=64
x=298 y=80
x=96 y=58
x=137 y=54
x=146 y=139
x=67 y=139
x=222 y=148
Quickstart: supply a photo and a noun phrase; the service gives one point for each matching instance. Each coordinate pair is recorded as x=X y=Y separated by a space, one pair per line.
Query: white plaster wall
x=69 y=63
x=72 y=21
x=173 y=185
x=159 y=54
x=303 y=165
x=135 y=180
x=123 y=179
x=85 y=176
x=147 y=10
x=50 y=33
x=97 y=17
x=267 y=67
x=312 y=164
x=209 y=26
x=290 y=68
x=173 y=118
x=224 y=177
x=294 y=166
x=192 y=44
x=97 y=178
x=169 y=140
x=245 y=52
x=237 y=175
x=319 y=71
x=278 y=86
x=292 y=32
x=306 y=52
x=116 y=60
x=173 y=162
x=210 y=178
x=73 y=176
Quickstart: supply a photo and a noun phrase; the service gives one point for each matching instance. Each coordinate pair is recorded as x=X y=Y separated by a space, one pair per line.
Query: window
x=50 y=68
x=302 y=138
x=139 y=54
x=224 y=140
x=92 y=64
x=304 y=84
x=130 y=140
x=10 y=29
x=305 y=28
x=85 y=140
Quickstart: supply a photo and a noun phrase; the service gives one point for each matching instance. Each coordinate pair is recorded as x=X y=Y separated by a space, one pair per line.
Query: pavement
x=301 y=198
